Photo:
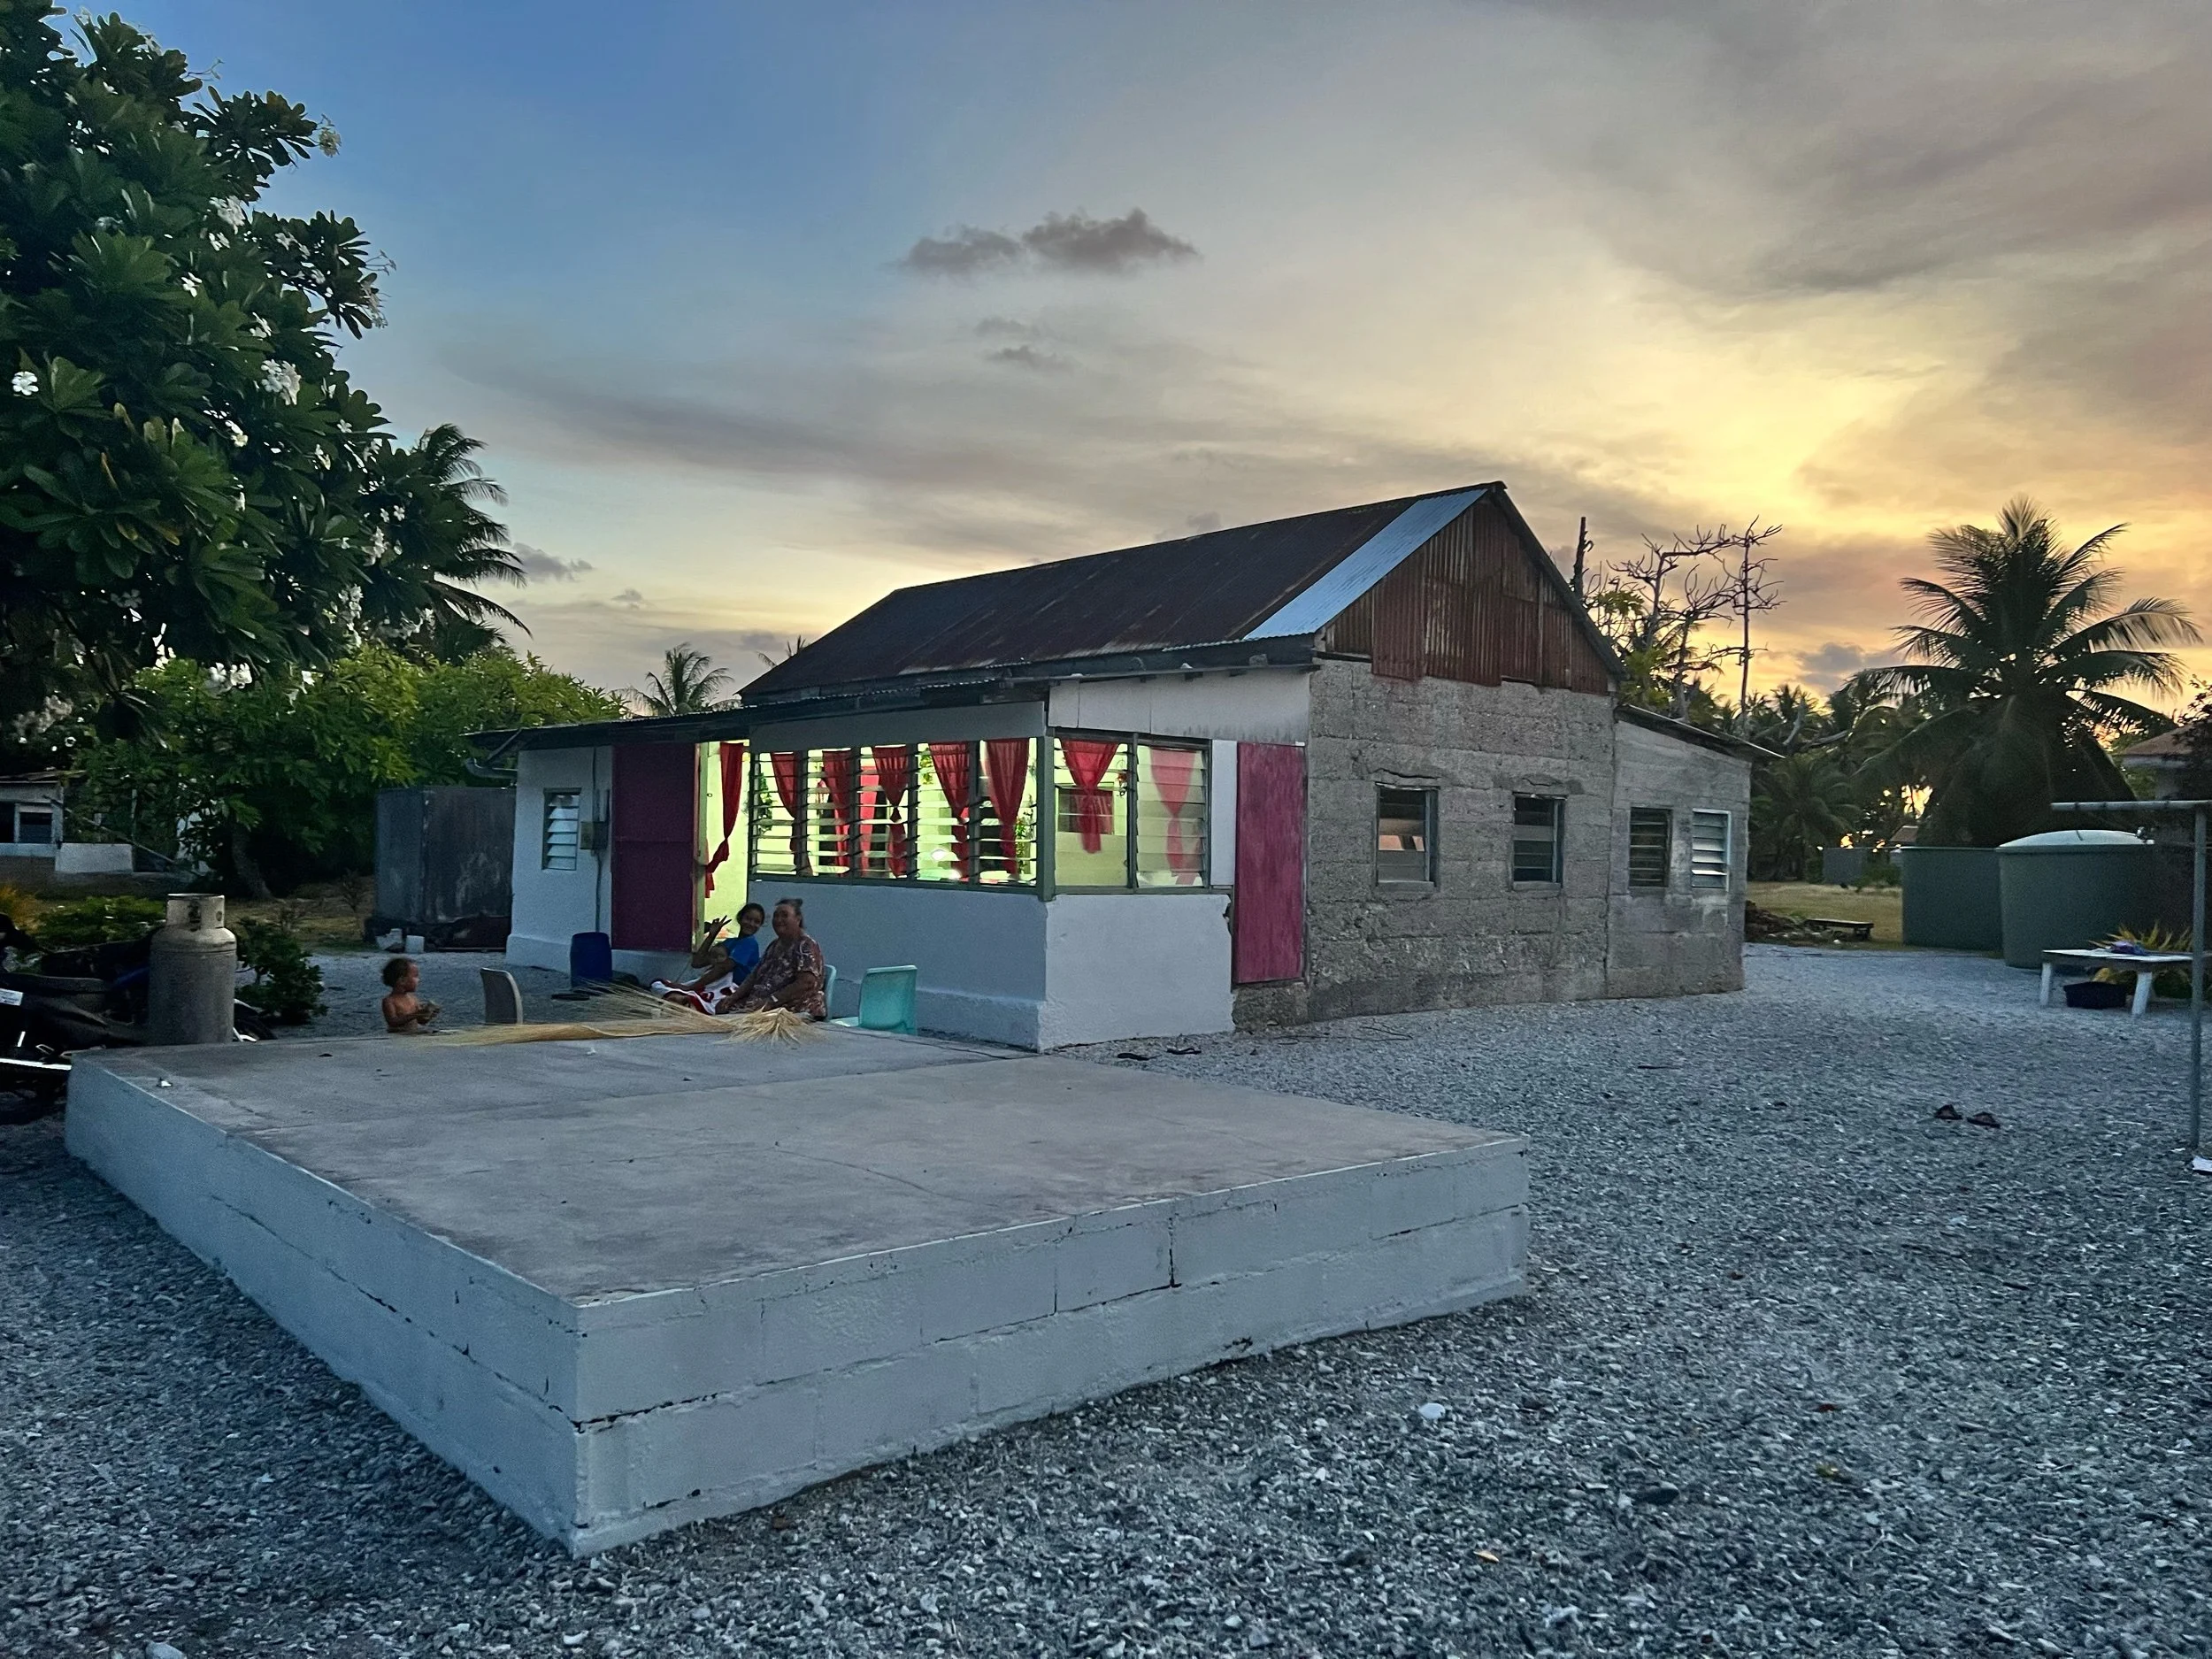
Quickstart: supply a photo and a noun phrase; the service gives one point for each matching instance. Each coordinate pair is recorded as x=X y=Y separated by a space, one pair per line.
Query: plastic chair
x=503 y=997
x=829 y=988
x=887 y=1001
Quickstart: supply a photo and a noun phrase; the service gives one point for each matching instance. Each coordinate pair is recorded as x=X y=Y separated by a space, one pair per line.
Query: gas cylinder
x=192 y=978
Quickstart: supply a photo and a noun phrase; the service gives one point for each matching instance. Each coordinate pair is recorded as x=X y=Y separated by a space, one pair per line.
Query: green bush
x=82 y=922
x=286 y=987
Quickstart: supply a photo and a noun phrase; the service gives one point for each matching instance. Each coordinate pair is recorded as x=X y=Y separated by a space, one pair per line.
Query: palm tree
x=1802 y=802
x=687 y=684
x=427 y=509
x=2020 y=668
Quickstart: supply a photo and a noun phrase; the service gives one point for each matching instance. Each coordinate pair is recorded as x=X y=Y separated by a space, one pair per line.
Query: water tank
x=1951 y=898
x=2068 y=888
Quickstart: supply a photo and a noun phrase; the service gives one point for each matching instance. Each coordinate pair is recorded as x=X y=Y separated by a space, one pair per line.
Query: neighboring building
x=1357 y=762
x=2166 y=757
x=32 y=825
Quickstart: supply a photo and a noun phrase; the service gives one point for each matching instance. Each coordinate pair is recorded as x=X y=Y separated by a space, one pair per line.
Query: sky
x=762 y=311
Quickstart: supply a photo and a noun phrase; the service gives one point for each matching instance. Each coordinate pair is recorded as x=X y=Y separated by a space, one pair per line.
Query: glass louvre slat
x=1650 y=835
x=942 y=854
x=1091 y=825
x=1709 y=849
x=772 y=839
x=1171 y=819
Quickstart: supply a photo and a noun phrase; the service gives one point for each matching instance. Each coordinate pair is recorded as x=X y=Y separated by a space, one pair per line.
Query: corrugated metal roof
x=1200 y=590
x=1368 y=564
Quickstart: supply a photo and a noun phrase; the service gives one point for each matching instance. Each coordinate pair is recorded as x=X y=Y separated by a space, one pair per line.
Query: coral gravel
x=1802 y=1368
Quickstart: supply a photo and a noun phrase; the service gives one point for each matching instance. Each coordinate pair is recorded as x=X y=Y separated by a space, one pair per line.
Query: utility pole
x=1582 y=550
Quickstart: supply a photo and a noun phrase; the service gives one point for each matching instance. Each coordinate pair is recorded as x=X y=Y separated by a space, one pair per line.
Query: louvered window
x=1709 y=850
x=1650 y=836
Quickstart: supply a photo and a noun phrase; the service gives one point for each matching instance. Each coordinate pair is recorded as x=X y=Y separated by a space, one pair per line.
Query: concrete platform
x=623 y=1286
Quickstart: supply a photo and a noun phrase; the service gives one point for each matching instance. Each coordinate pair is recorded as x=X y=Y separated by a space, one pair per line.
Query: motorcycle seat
x=51 y=984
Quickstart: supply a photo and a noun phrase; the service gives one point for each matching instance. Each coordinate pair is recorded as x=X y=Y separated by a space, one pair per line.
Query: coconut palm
x=1799 y=802
x=433 y=535
x=2021 y=667
x=689 y=683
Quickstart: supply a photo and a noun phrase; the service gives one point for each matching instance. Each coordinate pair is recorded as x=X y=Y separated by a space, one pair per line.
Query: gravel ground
x=1802 y=1370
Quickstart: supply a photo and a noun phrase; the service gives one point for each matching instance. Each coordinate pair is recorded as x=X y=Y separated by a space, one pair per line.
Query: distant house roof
x=2166 y=749
x=1282 y=580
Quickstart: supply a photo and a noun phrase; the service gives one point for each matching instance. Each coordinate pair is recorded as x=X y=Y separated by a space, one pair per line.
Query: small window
x=1536 y=839
x=1709 y=849
x=35 y=825
x=1171 y=816
x=7 y=820
x=562 y=808
x=1405 y=834
x=1650 y=837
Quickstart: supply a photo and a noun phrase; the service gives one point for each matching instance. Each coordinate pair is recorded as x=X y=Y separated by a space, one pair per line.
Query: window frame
x=1704 y=882
x=1665 y=815
x=1556 y=880
x=575 y=799
x=1428 y=795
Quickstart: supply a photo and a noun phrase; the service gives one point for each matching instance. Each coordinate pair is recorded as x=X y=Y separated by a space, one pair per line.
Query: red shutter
x=656 y=807
x=1270 y=942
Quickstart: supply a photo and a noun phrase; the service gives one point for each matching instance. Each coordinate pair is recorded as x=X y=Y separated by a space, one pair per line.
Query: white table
x=2144 y=965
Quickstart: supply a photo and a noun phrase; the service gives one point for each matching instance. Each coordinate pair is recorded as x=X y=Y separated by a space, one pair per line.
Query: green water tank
x=2068 y=888
x=1951 y=898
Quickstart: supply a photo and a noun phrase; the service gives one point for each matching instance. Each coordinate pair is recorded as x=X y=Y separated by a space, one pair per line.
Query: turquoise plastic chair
x=887 y=1001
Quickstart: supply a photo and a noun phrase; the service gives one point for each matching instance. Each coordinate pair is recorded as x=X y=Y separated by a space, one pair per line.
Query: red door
x=655 y=805
x=1269 y=940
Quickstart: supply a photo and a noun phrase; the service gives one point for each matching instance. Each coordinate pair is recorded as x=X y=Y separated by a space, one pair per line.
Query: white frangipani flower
x=282 y=379
x=26 y=383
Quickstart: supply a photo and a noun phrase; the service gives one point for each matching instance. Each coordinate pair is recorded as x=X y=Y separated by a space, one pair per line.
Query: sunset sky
x=763 y=310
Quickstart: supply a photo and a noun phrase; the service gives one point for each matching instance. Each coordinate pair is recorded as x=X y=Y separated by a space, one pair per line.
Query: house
x=1356 y=762
x=32 y=825
x=2167 y=759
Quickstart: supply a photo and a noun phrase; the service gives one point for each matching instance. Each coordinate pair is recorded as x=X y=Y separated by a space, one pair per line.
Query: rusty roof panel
x=1200 y=590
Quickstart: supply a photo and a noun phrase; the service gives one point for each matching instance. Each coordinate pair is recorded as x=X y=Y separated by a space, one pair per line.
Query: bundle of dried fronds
x=779 y=1024
x=641 y=1014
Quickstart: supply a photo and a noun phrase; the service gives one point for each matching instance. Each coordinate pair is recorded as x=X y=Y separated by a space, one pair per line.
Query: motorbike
x=89 y=998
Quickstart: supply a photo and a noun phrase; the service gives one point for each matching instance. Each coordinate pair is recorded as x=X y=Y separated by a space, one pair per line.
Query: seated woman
x=726 y=962
x=791 y=973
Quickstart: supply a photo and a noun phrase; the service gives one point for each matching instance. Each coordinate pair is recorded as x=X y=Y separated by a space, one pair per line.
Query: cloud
x=1027 y=357
x=1059 y=241
x=964 y=251
x=538 y=565
x=1829 y=665
x=1075 y=242
x=628 y=596
x=615 y=644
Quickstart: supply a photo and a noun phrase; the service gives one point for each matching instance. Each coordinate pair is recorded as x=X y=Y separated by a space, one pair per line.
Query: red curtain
x=786 y=766
x=1006 y=774
x=955 y=764
x=733 y=802
x=1088 y=759
x=838 y=767
x=895 y=776
x=1174 y=772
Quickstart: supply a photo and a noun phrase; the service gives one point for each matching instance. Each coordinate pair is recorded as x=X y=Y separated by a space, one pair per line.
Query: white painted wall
x=1265 y=705
x=92 y=858
x=981 y=954
x=551 y=905
x=1221 y=811
x=1135 y=964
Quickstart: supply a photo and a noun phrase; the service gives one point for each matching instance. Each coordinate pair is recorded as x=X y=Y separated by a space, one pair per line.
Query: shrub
x=2173 y=982
x=17 y=905
x=286 y=987
x=81 y=922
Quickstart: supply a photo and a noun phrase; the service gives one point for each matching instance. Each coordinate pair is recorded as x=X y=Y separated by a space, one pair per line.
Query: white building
x=33 y=825
x=1353 y=761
